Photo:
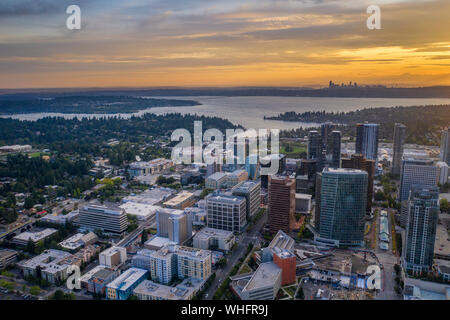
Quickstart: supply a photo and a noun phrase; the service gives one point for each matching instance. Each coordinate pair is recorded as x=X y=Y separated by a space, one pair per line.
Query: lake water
x=250 y=111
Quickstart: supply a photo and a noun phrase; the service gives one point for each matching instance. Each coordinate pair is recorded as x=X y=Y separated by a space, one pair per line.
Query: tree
x=445 y=206
x=30 y=246
x=144 y=236
x=35 y=290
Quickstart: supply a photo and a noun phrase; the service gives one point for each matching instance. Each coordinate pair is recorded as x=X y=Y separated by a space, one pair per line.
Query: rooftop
x=141 y=210
x=127 y=279
x=217 y=176
x=179 y=198
x=152 y=196
x=180 y=292
x=35 y=236
x=264 y=276
x=207 y=233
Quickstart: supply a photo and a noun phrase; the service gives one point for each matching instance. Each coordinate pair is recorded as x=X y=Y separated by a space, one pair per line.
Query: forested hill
x=18 y=104
x=424 y=123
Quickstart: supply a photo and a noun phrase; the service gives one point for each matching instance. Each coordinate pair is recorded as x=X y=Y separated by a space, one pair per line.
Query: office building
x=263 y=284
x=252 y=166
x=397 y=148
x=326 y=147
x=303 y=203
x=423 y=215
x=445 y=146
x=216 y=181
x=122 y=287
x=181 y=201
x=109 y=220
x=23 y=238
x=173 y=224
x=367 y=140
x=251 y=191
x=214 y=239
x=266 y=162
x=443 y=172
x=143 y=168
x=236 y=177
x=281 y=203
x=357 y=161
x=341 y=213
x=7 y=258
x=226 y=212
x=113 y=257
x=414 y=172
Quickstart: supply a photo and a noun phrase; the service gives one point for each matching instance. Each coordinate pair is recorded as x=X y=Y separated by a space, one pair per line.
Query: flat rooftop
x=263 y=277
x=179 y=198
x=282 y=241
x=160 y=242
x=127 y=279
x=35 y=236
x=180 y=292
x=141 y=210
x=224 y=198
x=49 y=259
x=152 y=196
x=207 y=233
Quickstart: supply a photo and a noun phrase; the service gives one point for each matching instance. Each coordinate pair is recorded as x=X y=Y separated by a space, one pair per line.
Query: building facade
x=445 y=146
x=226 y=212
x=397 y=148
x=281 y=203
x=423 y=215
x=109 y=220
x=367 y=140
x=251 y=191
x=343 y=196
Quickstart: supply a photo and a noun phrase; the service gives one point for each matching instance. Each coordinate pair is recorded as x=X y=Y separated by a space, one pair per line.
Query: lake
x=250 y=111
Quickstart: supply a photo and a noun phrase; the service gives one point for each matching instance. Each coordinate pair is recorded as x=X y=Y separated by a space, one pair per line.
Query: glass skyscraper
x=341 y=207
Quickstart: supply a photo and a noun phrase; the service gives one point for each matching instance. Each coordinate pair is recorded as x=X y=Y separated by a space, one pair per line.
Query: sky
x=203 y=43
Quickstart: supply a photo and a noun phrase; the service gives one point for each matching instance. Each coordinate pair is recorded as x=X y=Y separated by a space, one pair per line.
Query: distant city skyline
x=230 y=43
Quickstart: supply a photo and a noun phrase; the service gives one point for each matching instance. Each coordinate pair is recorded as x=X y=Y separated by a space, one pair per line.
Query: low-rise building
x=99 y=280
x=236 y=177
x=122 y=287
x=216 y=181
x=51 y=264
x=141 y=211
x=186 y=290
x=7 y=258
x=78 y=241
x=181 y=201
x=213 y=239
x=143 y=168
x=61 y=219
x=263 y=284
x=23 y=238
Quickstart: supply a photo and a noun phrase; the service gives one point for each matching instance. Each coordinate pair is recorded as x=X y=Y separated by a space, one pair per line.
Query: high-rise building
x=325 y=148
x=226 y=212
x=252 y=166
x=343 y=194
x=415 y=171
x=173 y=224
x=109 y=220
x=266 y=163
x=281 y=203
x=397 y=148
x=423 y=215
x=443 y=172
x=251 y=191
x=367 y=140
x=445 y=146
x=357 y=161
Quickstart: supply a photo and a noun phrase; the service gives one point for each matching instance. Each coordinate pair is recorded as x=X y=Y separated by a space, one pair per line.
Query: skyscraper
x=445 y=146
x=325 y=148
x=397 y=148
x=357 y=161
x=415 y=171
x=342 y=209
x=281 y=203
x=367 y=140
x=423 y=215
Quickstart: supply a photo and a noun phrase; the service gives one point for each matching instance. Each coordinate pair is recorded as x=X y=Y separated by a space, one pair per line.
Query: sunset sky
x=223 y=43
